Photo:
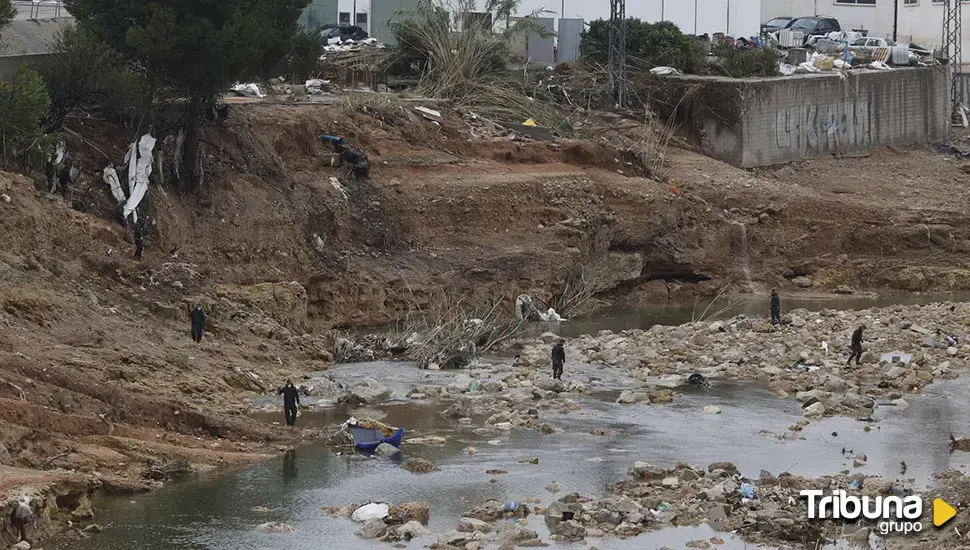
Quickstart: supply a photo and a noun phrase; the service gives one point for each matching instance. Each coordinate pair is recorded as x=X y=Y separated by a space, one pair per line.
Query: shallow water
x=216 y=512
x=619 y=318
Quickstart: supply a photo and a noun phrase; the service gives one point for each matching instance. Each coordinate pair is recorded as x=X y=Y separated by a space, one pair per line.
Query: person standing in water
x=558 y=359
x=291 y=402
x=775 y=308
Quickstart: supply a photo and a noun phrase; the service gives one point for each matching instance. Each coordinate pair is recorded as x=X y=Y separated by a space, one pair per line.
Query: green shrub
x=743 y=63
x=23 y=103
x=647 y=45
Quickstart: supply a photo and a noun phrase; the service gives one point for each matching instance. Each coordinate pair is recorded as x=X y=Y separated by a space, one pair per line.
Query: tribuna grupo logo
x=893 y=514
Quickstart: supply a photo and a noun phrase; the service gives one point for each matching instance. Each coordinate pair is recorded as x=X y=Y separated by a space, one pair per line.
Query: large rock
x=386 y=450
x=515 y=534
x=411 y=530
x=570 y=530
x=815 y=410
x=372 y=529
x=409 y=511
x=490 y=510
x=274 y=527
x=419 y=466
x=369 y=392
x=551 y=384
x=470 y=525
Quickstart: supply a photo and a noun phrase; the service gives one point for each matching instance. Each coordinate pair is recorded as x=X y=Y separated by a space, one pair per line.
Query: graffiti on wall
x=828 y=128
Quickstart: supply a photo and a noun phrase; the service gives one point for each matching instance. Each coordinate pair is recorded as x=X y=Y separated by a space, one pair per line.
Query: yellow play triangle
x=942 y=512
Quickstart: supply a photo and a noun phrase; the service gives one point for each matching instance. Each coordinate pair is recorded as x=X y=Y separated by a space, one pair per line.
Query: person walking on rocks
x=198 y=323
x=856 y=346
x=775 y=308
x=558 y=359
x=291 y=402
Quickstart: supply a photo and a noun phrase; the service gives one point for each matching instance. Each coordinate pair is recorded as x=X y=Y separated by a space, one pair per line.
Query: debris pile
x=906 y=348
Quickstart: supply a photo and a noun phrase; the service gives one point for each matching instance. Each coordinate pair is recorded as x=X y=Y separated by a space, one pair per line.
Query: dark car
x=815 y=25
x=343 y=33
x=776 y=24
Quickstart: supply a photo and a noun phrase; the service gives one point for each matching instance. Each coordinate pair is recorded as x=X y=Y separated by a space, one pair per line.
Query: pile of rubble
x=906 y=348
x=769 y=509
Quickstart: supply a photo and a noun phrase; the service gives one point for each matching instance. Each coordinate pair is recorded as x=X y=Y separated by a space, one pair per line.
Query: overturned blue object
x=367 y=439
x=332 y=139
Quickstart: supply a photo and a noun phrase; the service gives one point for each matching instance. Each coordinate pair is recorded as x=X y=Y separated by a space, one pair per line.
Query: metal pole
x=728 y=32
x=353 y=18
x=695 y=17
x=662 y=2
x=895 y=18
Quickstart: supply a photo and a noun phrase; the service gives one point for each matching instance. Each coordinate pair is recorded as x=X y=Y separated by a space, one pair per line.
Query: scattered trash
x=474 y=385
x=5 y=197
x=855 y=484
x=664 y=71
x=139 y=159
x=663 y=507
x=746 y=490
x=896 y=357
x=712 y=409
x=248 y=90
x=370 y=511
x=430 y=114
x=511 y=505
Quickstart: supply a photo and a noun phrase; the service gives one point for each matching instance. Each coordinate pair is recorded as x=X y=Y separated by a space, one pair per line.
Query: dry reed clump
x=449 y=332
x=469 y=65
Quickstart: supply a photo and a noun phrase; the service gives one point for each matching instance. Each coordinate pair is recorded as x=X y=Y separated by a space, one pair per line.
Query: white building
x=734 y=17
x=919 y=21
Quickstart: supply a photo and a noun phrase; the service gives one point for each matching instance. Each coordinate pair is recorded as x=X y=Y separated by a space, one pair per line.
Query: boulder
x=490 y=510
x=409 y=511
x=420 y=466
x=274 y=527
x=372 y=529
x=369 y=392
x=470 y=525
x=411 y=530
x=816 y=410
x=386 y=450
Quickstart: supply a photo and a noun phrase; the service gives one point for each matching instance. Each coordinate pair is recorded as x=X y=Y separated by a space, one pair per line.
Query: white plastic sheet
x=370 y=511
x=248 y=90
x=111 y=178
x=139 y=169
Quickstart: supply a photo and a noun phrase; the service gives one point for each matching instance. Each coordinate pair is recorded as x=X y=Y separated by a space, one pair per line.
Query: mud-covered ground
x=99 y=368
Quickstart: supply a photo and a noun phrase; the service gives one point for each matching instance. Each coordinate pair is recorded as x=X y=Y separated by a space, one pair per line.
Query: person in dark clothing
x=856 y=346
x=775 y=308
x=139 y=240
x=558 y=359
x=291 y=401
x=64 y=179
x=198 y=323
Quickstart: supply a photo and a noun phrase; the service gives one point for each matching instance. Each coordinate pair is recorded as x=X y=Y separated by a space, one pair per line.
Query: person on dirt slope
x=775 y=308
x=198 y=323
x=291 y=402
x=139 y=240
x=558 y=359
x=856 y=346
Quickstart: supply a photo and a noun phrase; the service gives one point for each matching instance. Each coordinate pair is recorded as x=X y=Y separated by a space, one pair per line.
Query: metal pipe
x=895 y=18
x=662 y=3
x=728 y=32
x=695 y=17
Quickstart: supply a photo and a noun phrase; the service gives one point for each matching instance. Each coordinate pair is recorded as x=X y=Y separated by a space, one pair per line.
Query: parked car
x=342 y=33
x=776 y=24
x=815 y=27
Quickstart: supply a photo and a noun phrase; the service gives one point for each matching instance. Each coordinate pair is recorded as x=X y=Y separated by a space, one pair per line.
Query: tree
x=7 y=13
x=194 y=49
x=86 y=74
x=22 y=104
x=647 y=44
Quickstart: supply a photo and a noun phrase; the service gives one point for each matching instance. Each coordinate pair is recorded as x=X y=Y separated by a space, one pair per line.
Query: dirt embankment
x=98 y=362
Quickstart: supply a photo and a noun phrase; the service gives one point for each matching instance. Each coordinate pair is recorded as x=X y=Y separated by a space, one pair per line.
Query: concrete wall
x=382 y=12
x=777 y=120
x=9 y=65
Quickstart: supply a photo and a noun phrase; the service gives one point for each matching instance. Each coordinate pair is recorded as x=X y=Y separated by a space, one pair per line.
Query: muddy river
x=220 y=512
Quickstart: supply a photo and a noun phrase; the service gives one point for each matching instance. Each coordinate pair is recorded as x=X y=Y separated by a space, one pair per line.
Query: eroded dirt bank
x=98 y=364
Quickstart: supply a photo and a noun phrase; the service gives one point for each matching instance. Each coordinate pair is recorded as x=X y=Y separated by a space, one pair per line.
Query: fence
x=40 y=9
